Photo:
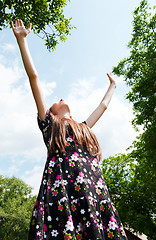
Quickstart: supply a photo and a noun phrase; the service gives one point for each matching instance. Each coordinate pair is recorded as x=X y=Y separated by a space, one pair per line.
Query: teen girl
x=73 y=200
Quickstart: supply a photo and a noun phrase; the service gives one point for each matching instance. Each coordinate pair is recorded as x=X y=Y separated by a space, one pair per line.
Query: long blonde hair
x=81 y=133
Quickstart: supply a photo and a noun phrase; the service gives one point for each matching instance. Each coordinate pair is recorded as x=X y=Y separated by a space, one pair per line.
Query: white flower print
x=74 y=201
x=82 y=211
x=35 y=213
x=83 y=159
x=101 y=226
x=97 y=213
x=69 y=139
x=88 y=223
x=84 y=170
x=38 y=233
x=57 y=219
x=51 y=164
x=57 y=183
x=60 y=159
x=79 y=227
x=99 y=184
x=112 y=225
x=65 y=182
x=54 y=233
x=94 y=162
x=69 y=226
x=89 y=181
x=74 y=157
x=104 y=201
x=79 y=150
x=49 y=218
x=37 y=226
x=63 y=199
x=79 y=179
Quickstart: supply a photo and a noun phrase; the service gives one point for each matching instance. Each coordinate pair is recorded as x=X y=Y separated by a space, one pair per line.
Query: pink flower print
x=100 y=180
x=53 y=158
x=73 y=208
x=58 y=177
x=98 y=191
x=60 y=207
x=49 y=170
x=55 y=193
x=77 y=188
x=68 y=236
x=79 y=236
x=45 y=227
x=112 y=219
x=76 y=154
x=71 y=180
x=72 y=164
x=110 y=234
x=81 y=174
x=41 y=210
x=70 y=218
x=102 y=207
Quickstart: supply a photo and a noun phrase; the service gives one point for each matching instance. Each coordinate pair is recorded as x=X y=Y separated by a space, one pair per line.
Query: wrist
x=113 y=84
x=21 y=39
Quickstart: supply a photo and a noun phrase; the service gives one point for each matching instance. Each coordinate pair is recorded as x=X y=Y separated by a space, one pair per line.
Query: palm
x=19 y=29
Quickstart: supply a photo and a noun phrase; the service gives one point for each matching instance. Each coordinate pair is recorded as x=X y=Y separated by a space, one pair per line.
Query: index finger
x=12 y=25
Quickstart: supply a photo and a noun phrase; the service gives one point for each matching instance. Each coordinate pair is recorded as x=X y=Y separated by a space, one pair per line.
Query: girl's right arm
x=21 y=33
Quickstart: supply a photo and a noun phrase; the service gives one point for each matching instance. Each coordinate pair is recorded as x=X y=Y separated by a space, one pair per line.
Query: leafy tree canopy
x=131 y=177
x=16 y=204
x=47 y=18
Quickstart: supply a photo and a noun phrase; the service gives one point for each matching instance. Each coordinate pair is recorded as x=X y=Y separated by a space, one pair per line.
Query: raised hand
x=111 y=79
x=19 y=29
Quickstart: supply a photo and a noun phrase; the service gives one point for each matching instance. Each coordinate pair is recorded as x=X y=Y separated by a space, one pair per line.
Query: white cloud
x=8 y=47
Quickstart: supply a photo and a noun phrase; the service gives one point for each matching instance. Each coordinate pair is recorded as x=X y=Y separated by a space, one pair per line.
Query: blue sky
x=76 y=72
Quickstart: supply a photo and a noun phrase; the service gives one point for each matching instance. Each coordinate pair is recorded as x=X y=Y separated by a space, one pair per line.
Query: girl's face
x=60 y=109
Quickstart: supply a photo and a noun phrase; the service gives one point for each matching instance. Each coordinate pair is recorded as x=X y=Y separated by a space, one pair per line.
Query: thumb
x=29 y=27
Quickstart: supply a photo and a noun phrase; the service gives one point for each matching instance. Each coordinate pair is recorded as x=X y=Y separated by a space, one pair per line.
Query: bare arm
x=97 y=113
x=21 y=33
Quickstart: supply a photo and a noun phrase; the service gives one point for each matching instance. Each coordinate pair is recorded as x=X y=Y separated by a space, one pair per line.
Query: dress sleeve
x=45 y=126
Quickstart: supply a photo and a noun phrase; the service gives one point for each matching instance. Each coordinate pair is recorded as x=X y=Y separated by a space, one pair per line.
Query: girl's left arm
x=97 y=113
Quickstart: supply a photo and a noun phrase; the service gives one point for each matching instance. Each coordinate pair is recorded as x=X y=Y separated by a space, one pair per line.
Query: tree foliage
x=16 y=205
x=47 y=18
x=134 y=190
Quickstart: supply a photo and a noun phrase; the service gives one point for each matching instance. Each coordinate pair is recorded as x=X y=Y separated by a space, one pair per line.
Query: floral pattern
x=73 y=201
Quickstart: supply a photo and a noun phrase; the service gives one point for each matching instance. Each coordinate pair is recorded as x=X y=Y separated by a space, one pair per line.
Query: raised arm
x=94 y=117
x=21 y=33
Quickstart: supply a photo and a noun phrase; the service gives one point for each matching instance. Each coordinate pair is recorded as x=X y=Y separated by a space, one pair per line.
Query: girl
x=73 y=200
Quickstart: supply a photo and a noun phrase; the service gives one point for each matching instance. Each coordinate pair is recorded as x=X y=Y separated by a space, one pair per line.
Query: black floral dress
x=73 y=200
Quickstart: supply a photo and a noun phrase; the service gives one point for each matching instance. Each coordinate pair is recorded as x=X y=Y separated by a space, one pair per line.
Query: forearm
x=26 y=57
x=106 y=99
